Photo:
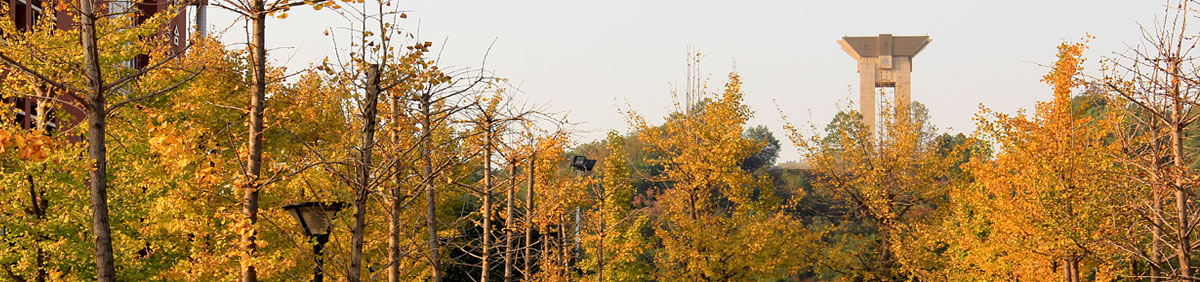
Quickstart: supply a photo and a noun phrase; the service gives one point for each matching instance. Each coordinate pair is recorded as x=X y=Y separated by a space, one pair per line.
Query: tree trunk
x=1156 y=192
x=97 y=152
x=562 y=246
x=487 y=203
x=40 y=262
x=508 y=221
x=1072 y=269
x=1156 y=246
x=105 y=270
x=258 y=56
x=37 y=207
x=600 y=243
x=1182 y=234
x=42 y=108
x=430 y=193
x=1183 y=244
x=529 y=221
x=393 y=269
x=1066 y=270
x=544 y=260
x=363 y=189
x=885 y=252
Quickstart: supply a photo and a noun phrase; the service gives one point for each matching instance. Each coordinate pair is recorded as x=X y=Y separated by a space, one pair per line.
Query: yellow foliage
x=1046 y=200
x=748 y=238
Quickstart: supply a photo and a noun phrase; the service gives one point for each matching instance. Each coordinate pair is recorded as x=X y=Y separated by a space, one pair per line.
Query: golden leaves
x=6 y=140
x=1046 y=196
x=32 y=146
x=168 y=143
x=741 y=237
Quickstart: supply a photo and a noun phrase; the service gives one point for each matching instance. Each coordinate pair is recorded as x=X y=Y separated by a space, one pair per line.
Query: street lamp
x=582 y=163
x=315 y=218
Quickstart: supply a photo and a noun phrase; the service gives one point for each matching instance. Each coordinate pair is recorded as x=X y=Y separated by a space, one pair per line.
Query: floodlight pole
x=584 y=166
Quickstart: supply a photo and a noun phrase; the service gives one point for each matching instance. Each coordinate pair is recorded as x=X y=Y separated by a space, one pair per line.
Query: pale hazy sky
x=590 y=58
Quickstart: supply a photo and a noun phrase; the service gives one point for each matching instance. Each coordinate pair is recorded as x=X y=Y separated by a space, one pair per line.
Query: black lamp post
x=315 y=218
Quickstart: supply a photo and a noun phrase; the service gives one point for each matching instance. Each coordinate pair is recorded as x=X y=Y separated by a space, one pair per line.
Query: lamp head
x=314 y=217
x=579 y=162
x=582 y=163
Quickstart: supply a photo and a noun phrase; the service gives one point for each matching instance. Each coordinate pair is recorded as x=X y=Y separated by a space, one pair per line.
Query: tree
x=93 y=53
x=1046 y=198
x=492 y=118
x=374 y=69
x=560 y=192
x=41 y=175
x=257 y=12
x=890 y=183
x=618 y=250
x=196 y=130
x=524 y=148
x=714 y=226
x=437 y=101
x=770 y=148
x=1155 y=83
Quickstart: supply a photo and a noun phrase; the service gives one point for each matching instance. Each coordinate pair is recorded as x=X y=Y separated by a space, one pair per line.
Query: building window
x=21 y=15
x=22 y=115
x=34 y=16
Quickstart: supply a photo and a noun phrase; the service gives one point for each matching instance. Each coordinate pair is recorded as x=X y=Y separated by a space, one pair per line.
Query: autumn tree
x=1046 y=198
x=889 y=181
x=493 y=117
x=41 y=223
x=257 y=12
x=521 y=150
x=616 y=246
x=714 y=225
x=551 y=191
x=378 y=66
x=100 y=48
x=1156 y=86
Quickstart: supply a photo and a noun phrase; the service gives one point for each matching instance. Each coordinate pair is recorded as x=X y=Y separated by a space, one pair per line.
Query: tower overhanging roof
x=868 y=46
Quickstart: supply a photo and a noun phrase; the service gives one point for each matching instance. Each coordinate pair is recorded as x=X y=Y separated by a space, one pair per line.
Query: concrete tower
x=883 y=61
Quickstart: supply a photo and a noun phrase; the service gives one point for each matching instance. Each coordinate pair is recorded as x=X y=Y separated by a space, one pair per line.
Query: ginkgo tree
x=890 y=181
x=615 y=246
x=714 y=224
x=41 y=176
x=1154 y=84
x=85 y=68
x=1049 y=196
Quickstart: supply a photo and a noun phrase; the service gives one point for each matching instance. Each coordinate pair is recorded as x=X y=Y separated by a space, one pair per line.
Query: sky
x=591 y=59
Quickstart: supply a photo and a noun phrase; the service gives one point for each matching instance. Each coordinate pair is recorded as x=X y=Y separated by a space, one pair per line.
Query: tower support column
x=884 y=61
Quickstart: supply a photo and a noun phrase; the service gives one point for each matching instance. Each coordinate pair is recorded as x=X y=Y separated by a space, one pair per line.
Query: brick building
x=26 y=13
